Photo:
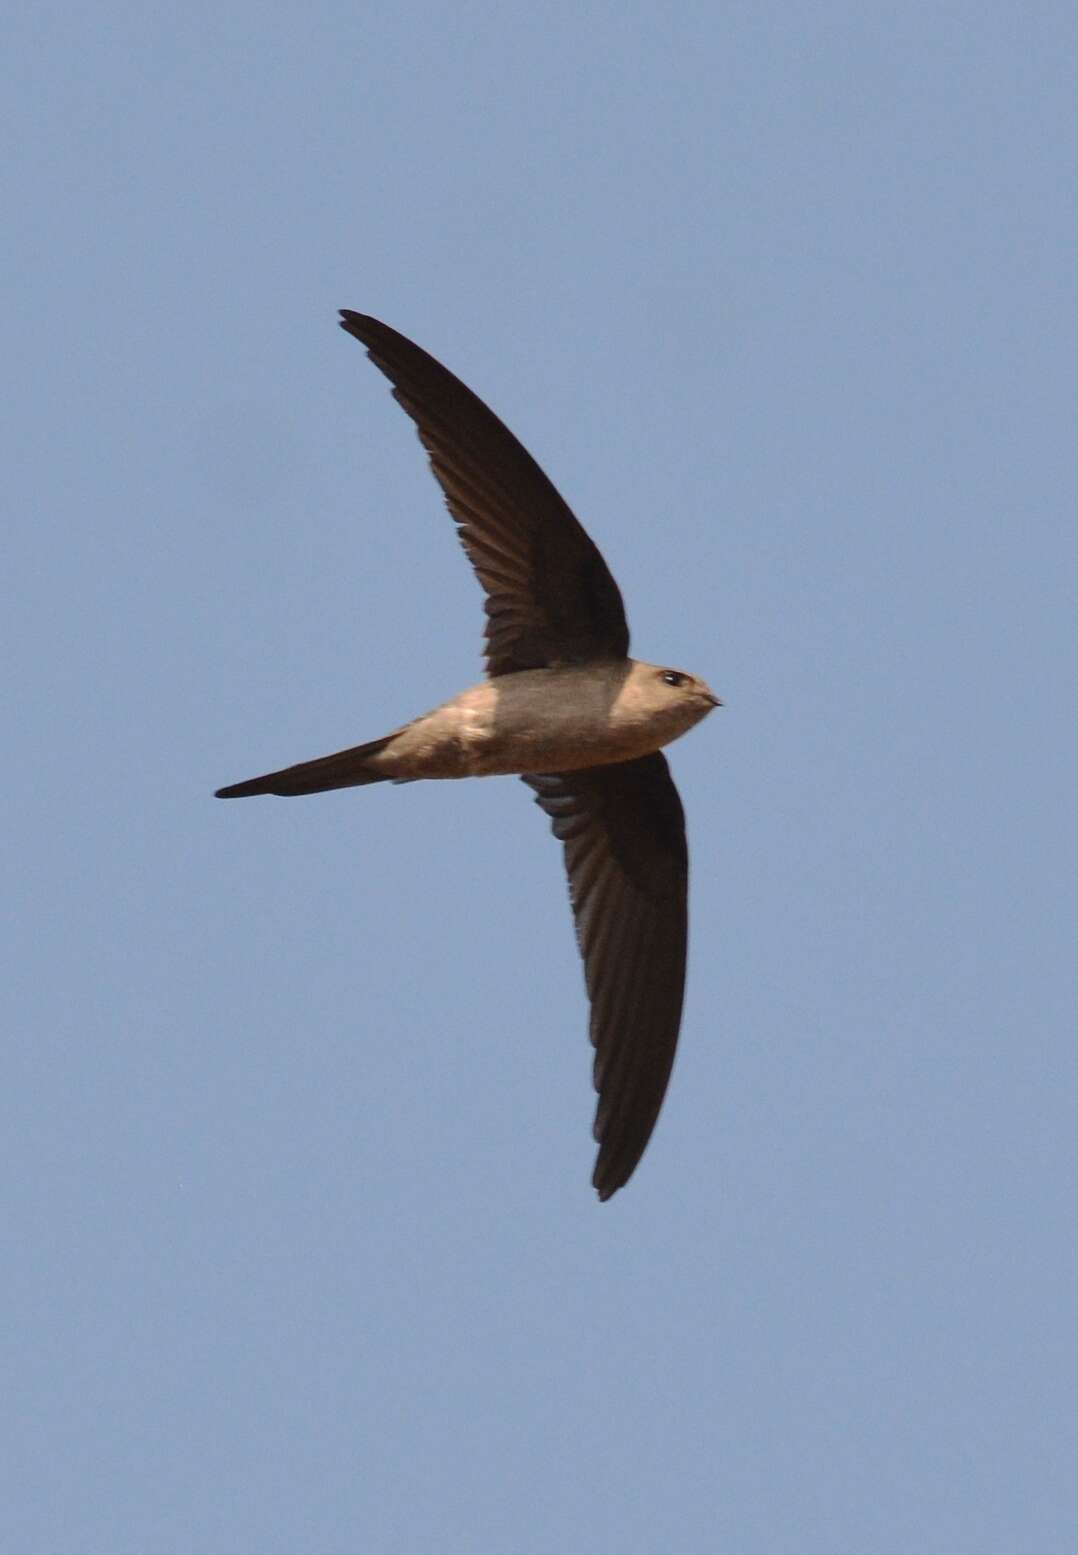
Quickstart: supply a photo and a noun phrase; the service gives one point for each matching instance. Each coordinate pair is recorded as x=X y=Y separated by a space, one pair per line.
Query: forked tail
x=344 y=769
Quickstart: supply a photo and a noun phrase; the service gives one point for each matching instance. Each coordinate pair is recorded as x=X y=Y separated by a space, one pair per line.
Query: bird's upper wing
x=624 y=834
x=550 y=596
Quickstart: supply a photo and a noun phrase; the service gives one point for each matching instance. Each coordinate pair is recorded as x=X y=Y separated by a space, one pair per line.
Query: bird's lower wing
x=623 y=830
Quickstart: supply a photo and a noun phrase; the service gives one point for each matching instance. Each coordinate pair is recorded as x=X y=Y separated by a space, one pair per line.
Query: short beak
x=714 y=700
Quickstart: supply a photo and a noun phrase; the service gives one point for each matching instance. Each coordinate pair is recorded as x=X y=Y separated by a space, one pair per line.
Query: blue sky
x=301 y=1254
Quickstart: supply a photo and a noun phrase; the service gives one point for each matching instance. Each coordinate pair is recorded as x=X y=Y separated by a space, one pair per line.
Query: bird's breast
x=554 y=720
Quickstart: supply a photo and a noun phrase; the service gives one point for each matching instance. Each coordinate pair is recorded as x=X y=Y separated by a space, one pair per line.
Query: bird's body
x=549 y=720
x=565 y=708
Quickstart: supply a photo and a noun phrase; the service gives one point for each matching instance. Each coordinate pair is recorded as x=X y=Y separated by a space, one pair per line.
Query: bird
x=564 y=707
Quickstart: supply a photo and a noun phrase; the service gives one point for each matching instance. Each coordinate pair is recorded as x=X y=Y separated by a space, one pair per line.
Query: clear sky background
x=300 y=1253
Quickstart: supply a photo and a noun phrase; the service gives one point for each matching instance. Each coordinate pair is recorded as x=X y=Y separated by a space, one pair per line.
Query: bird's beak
x=714 y=700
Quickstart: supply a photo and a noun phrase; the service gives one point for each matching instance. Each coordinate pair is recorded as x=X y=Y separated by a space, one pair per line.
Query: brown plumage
x=567 y=709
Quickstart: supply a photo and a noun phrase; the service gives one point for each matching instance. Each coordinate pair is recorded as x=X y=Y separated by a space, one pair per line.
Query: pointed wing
x=550 y=596
x=623 y=829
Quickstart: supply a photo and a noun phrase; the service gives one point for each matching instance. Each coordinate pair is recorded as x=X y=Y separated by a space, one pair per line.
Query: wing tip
x=239 y=790
x=353 y=323
x=611 y=1171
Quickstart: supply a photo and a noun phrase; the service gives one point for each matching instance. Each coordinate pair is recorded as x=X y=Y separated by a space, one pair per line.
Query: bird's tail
x=344 y=769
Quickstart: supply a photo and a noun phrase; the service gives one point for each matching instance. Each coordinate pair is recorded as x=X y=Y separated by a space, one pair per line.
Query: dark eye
x=673 y=678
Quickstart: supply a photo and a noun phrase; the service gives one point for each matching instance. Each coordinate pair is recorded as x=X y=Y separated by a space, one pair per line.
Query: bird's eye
x=673 y=678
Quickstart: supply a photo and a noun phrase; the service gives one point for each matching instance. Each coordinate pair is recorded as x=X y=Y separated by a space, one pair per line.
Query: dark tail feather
x=344 y=769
